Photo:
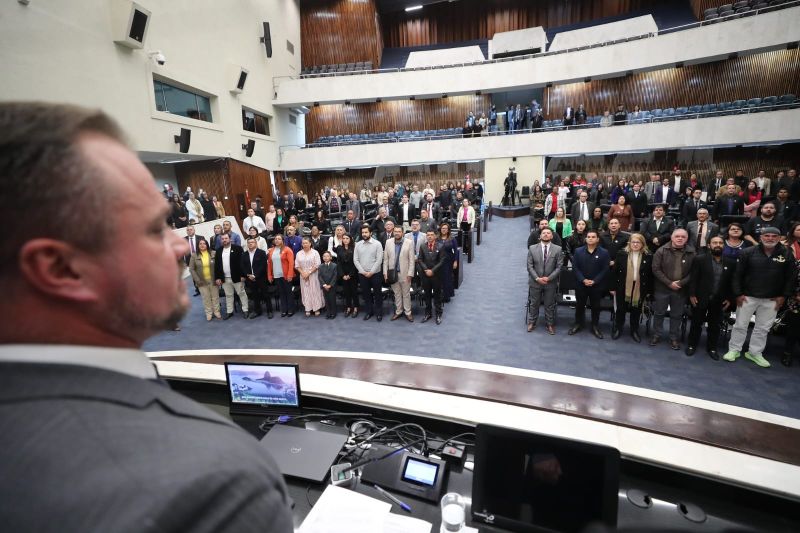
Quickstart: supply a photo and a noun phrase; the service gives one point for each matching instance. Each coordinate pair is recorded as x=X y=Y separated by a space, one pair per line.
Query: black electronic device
x=526 y=481
x=249 y=147
x=303 y=453
x=267 y=39
x=263 y=388
x=184 y=140
x=406 y=472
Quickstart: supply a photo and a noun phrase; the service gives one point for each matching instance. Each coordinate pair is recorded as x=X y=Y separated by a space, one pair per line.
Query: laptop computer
x=303 y=453
x=263 y=388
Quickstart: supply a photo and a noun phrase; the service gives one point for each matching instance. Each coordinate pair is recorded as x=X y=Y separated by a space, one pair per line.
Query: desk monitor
x=530 y=482
x=263 y=388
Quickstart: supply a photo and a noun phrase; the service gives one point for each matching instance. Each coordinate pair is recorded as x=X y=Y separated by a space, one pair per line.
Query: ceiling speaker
x=130 y=23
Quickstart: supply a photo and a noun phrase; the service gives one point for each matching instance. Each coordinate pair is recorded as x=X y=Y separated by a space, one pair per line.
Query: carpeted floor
x=485 y=323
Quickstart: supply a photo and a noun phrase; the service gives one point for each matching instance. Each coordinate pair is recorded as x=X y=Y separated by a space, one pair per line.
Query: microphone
x=368 y=460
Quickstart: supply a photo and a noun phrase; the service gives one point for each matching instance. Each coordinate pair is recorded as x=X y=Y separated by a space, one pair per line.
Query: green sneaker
x=731 y=356
x=757 y=358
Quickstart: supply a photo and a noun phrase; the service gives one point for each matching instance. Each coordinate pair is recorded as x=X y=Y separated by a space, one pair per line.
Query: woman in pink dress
x=307 y=264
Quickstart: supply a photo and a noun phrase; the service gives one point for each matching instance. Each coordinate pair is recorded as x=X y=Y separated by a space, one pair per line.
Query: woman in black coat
x=280 y=222
x=631 y=287
x=348 y=274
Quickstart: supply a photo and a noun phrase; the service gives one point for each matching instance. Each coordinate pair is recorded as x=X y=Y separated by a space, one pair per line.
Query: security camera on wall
x=158 y=57
x=130 y=22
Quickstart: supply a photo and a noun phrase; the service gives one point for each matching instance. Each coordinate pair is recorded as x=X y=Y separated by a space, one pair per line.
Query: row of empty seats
x=753 y=105
x=359 y=66
x=740 y=9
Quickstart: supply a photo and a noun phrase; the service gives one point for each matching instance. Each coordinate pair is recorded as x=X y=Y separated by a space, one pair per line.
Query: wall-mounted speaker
x=249 y=147
x=130 y=23
x=184 y=139
x=267 y=39
x=238 y=76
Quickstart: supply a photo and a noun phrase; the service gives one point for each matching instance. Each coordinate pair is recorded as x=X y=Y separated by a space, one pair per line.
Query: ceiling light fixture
x=413 y=8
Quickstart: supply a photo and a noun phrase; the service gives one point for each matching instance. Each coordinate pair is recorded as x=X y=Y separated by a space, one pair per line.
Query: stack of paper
x=341 y=510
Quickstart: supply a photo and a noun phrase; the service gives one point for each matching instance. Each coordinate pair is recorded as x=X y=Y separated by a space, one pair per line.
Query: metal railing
x=647 y=35
x=645 y=119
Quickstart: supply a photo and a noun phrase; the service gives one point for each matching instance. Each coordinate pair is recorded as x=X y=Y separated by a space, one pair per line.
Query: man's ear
x=57 y=269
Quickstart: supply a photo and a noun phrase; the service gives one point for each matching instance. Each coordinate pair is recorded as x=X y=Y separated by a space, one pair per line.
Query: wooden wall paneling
x=468 y=20
x=395 y=115
x=208 y=175
x=248 y=180
x=340 y=31
x=758 y=75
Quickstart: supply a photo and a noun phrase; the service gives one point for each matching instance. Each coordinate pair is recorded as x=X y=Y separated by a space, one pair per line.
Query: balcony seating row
x=359 y=66
x=753 y=105
x=742 y=8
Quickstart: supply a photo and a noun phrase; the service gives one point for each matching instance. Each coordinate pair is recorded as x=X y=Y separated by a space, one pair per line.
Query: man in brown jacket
x=672 y=265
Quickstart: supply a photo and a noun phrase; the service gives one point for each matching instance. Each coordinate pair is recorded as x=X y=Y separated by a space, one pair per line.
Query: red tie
x=430 y=247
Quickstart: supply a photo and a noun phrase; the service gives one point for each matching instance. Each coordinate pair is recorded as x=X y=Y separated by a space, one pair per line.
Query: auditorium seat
x=669 y=114
x=737 y=106
x=681 y=113
x=753 y=103
x=657 y=114
x=787 y=100
x=767 y=103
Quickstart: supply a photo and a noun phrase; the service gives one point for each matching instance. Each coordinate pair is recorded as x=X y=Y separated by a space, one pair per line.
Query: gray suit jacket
x=86 y=449
x=712 y=230
x=576 y=211
x=537 y=267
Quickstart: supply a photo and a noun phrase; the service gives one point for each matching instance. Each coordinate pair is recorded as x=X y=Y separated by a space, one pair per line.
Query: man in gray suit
x=582 y=209
x=701 y=231
x=91 y=440
x=544 y=266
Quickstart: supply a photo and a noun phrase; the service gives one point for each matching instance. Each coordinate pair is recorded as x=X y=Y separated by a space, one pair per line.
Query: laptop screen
x=262 y=388
x=526 y=481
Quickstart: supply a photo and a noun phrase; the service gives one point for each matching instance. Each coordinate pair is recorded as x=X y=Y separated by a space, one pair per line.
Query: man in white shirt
x=229 y=275
x=254 y=221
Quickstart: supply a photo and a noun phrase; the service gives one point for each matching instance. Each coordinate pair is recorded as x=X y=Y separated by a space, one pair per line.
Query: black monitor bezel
x=410 y=458
x=611 y=467
x=251 y=409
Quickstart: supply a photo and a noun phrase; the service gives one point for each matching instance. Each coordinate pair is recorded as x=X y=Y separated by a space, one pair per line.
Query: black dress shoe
x=290 y=314
x=438 y=319
x=283 y=315
x=226 y=317
x=690 y=350
x=713 y=355
x=786 y=359
x=597 y=333
x=635 y=336
x=378 y=317
x=367 y=316
x=574 y=329
x=426 y=318
x=615 y=333
x=354 y=315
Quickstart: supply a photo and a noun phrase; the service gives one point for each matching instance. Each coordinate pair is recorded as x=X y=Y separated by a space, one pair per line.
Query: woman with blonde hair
x=201 y=267
x=633 y=283
x=561 y=224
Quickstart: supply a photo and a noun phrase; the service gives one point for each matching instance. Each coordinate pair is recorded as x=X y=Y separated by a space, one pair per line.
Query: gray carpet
x=485 y=323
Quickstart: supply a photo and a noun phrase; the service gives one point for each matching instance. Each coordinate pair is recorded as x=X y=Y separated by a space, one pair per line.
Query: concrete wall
x=706 y=43
x=756 y=128
x=64 y=51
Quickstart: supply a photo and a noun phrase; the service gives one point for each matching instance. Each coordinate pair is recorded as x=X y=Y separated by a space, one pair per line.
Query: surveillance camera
x=158 y=57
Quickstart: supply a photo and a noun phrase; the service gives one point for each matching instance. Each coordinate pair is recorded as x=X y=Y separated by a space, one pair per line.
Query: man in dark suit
x=430 y=259
x=729 y=204
x=613 y=240
x=405 y=213
x=535 y=236
x=544 y=267
x=430 y=206
x=692 y=205
x=228 y=274
x=710 y=296
x=590 y=263
x=716 y=184
x=192 y=240
x=582 y=209
x=665 y=194
x=657 y=230
x=91 y=441
x=637 y=199
x=569 y=115
x=352 y=225
x=254 y=268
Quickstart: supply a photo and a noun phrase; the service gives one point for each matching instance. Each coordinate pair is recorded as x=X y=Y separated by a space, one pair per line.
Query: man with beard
x=709 y=295
x=764 y=278
x=83 y=412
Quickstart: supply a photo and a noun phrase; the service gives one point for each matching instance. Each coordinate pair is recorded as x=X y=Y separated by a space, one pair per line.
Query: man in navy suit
x=254 y=268
x=665 y=194
x=82 y=412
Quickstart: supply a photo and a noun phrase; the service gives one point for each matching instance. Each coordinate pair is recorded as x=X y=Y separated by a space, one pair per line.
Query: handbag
x=391 y=276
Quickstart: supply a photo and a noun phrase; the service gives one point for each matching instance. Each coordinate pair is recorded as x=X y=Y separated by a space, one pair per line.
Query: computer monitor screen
x=528 y=482
x=263 y=387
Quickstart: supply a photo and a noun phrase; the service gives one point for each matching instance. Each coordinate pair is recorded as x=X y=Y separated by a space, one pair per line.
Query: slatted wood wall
x=754 y=76
x=354 y=179
x=466 y=20
x=340 y=31
x=226 y=177
x=704 y=163
x=396 y=115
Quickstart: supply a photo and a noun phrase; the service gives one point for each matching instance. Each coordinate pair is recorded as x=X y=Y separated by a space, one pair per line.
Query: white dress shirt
x=226 y=261
x=254 y=221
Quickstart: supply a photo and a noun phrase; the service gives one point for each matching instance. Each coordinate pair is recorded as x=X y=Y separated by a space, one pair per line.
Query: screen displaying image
x=420 y=472
x=263 y=385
